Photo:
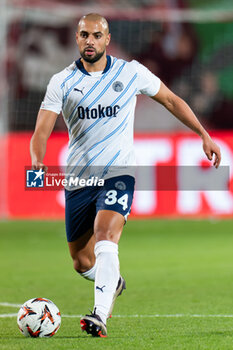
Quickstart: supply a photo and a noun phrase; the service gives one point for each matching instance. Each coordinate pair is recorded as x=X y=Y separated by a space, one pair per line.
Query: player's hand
x=38 y=165
x=211 y=149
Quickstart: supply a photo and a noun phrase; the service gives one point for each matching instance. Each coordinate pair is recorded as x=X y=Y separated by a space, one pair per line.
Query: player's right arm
x=44 y=126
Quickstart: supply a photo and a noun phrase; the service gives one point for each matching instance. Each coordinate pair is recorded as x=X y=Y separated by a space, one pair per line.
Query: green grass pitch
x=179 y=295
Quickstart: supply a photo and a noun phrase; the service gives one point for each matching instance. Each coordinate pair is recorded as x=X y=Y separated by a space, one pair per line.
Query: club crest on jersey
x=118 y=86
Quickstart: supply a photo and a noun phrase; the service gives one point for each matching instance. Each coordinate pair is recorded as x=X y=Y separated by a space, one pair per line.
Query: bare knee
x=82 y=252
x=108 y=226
x=83 y=263
x=103 y=234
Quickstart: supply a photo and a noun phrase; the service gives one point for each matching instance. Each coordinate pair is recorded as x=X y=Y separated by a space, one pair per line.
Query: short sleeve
x=148 y=83
x=53 y=97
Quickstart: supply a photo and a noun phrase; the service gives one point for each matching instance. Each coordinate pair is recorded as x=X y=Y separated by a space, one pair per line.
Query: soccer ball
x=39 y=317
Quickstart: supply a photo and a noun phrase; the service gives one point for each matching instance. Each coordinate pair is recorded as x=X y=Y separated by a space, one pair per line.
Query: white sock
x=90 y=274
x=107 y=276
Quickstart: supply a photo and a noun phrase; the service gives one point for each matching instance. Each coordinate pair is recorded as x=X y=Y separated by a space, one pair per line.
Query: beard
x=93 y=59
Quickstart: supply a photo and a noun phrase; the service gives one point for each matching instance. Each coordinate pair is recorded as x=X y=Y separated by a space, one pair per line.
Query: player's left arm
x=180 y=109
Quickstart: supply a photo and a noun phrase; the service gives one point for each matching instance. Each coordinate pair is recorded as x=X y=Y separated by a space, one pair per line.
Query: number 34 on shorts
x=118 y=194
x=111 y=199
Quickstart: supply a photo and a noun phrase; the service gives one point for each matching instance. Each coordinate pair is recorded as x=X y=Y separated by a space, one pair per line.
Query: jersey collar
x=83 y=70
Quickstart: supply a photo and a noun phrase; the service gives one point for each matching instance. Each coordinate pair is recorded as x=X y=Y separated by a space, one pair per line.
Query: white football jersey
x=98 y=109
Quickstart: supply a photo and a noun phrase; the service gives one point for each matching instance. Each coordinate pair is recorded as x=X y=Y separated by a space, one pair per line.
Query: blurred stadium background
x=187 y=43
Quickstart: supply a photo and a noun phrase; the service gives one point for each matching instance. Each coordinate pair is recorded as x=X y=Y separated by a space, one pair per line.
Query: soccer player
x=97 y=97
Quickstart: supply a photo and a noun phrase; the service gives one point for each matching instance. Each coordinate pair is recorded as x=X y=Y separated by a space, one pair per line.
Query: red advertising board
x=151 y=149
